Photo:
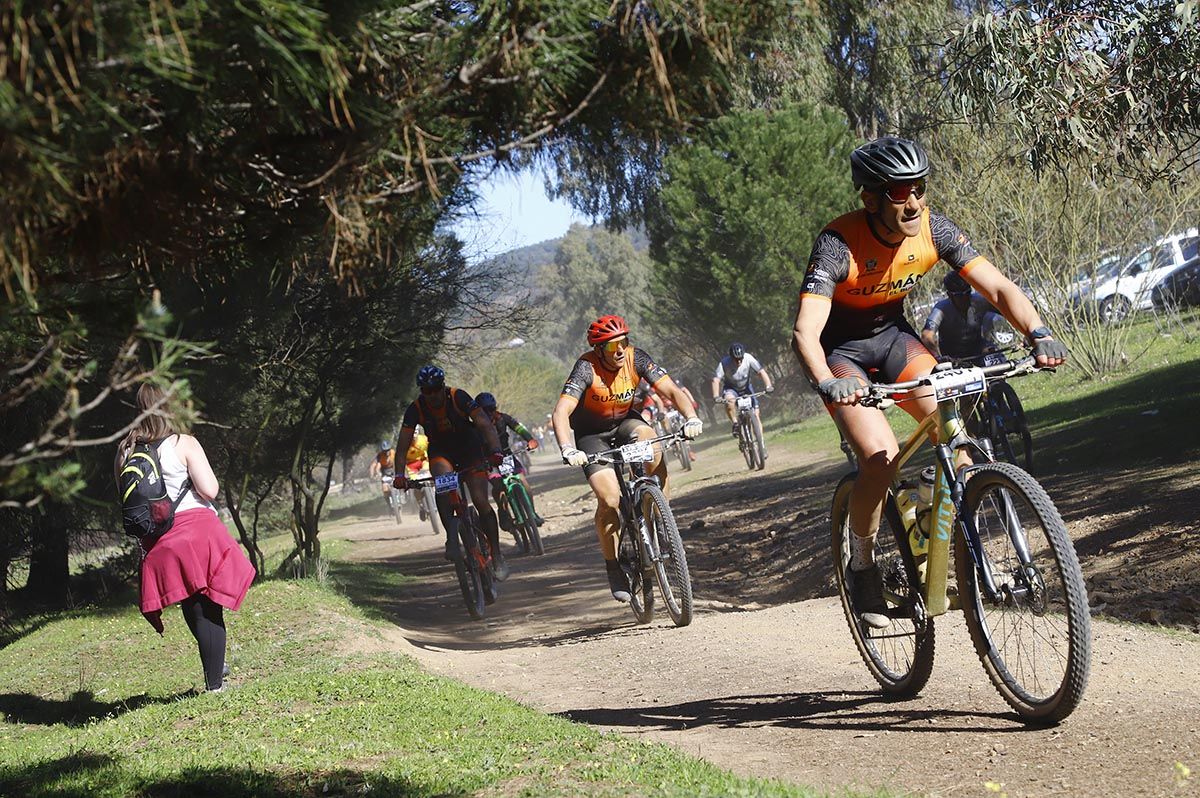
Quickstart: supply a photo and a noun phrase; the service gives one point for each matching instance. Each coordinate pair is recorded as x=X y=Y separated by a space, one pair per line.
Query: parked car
x=1118 y=295
x=1181 y=287
x=1062 y=290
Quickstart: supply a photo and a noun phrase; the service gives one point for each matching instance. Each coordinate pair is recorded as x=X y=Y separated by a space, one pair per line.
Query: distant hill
x=521 y=266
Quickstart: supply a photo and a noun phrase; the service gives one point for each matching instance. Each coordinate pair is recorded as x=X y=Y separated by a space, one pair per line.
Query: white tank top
x=174 y=473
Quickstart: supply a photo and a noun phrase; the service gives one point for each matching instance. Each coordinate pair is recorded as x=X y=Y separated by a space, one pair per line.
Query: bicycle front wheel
x=1008 y=422
x=760 y=444
x=1035 y=637
x=684 y=450
x=641 y=588
x=746 y=442
x=670 y=560
x=530 y=531
x=899 y=657
x=469 y=581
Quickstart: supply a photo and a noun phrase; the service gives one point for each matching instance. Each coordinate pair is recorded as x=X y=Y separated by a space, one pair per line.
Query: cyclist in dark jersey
x=596 y=411
x=458 y=432
x=850 y=322
x=503 y=422
x=957 y=326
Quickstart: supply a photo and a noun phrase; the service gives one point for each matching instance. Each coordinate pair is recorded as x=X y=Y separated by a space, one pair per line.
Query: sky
x=513 y=211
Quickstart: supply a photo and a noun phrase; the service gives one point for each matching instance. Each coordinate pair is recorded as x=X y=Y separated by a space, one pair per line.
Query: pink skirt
x=197 y=555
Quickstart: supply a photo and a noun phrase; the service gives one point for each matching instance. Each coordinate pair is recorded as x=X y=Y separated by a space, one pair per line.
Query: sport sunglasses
x=612 y=346
x=899 y=192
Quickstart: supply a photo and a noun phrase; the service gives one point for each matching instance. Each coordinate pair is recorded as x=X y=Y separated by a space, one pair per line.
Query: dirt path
x=766 y=681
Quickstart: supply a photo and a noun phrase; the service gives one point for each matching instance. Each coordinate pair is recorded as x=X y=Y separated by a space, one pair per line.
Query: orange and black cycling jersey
x=606 y=396
x=866 y=278
x=451 y=423
x=386 y=460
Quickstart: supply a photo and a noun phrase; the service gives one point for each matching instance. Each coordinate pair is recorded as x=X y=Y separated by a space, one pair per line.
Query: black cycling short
x=463 y=452
x=893 y=355
x=625 y=432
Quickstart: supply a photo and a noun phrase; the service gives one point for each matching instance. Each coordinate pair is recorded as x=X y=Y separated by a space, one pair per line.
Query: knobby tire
x=899 y=657
x=530 y=530
x=671 y=570
x=1036 y=650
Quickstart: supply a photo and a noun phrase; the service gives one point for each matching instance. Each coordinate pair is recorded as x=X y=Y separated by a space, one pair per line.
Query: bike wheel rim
x=1030 y=639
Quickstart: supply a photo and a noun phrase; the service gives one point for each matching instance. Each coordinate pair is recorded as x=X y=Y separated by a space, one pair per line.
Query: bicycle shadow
x=842 y=711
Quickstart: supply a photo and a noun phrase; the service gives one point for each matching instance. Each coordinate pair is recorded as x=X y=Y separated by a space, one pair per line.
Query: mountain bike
x=649 y=542
x=1018 y=578
x=749 y=431
x=393 y=496
x=475 y=568
x=519 y=504
x=673 y=423
x=426 y=503
x=1000 y=416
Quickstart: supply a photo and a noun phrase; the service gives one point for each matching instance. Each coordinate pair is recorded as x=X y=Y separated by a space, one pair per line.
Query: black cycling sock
x=206 y=620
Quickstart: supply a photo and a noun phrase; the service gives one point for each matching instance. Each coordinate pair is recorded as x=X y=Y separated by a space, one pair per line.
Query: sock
x=862 y=552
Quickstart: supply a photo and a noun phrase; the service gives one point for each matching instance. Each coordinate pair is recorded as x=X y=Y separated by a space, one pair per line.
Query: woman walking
x=195 y=563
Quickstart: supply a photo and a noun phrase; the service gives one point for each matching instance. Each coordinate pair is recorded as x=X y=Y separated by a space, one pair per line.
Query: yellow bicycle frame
x=937 y=563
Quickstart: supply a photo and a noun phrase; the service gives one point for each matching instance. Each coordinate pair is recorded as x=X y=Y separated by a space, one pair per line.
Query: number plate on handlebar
x=957 y=382
x=994 y=359
x=745 y=402
x=506 y=466
x=446 y=483
x=640 y=452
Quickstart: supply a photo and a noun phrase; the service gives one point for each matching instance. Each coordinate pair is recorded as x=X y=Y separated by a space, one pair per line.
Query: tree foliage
x=1110 y=82
x=740 y=209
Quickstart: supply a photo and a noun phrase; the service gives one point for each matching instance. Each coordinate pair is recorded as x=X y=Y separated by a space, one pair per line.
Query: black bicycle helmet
x=486 y=401
x=955 y=284
x=737 y=351
x=431 y=377
x=887 y=160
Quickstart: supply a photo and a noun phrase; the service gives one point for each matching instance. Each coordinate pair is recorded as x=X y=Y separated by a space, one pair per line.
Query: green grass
x=1140 y=415
x=96 y=704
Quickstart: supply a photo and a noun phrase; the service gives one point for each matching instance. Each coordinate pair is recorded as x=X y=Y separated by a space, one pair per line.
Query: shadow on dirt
x=863 y=712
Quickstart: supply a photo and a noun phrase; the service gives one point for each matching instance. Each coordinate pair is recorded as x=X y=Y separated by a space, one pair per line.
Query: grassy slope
x=1140 y=416
x=96 y=704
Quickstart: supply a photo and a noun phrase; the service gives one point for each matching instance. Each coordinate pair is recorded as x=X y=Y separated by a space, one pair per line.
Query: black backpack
x=146 y=509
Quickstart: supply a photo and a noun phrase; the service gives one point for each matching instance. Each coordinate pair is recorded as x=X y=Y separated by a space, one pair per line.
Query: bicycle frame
x=458 y=506
x=511 y=483
x=948 y=496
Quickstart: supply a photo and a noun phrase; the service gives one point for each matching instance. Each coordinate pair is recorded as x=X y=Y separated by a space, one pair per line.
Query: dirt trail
x=766 y=680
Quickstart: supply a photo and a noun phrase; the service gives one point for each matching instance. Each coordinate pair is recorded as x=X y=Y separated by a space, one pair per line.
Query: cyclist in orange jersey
x=850 y=322
x=596 y=411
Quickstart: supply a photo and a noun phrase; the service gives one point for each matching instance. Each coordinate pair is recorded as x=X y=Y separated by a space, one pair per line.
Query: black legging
x=206 y=619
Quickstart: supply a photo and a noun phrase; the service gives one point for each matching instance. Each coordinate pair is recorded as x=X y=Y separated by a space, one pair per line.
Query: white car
x=1116 y=294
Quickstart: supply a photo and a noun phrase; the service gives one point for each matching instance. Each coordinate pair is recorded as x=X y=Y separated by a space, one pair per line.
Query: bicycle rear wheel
x=641 y=588
x=899 y=657
x=684 y=450
x=1008 y=423
x=668 y=555
x=528 y=522
x=1035 y=639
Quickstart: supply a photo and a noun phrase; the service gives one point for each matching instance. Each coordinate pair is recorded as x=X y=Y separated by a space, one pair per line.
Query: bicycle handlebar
x=722 y=400
x=605 y=458
x=881 y=395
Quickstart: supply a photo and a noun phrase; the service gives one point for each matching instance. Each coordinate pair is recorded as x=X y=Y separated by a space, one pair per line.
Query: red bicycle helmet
x=606 y=328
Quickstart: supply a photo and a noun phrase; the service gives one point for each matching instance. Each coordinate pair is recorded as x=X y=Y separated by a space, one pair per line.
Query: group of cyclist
x=849 y=328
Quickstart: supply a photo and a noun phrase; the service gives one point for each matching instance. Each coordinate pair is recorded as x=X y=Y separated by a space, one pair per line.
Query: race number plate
x=745 y=402
x=446 y=483
x=994 y=359
x=506 y=466
x=957 y=382
x=640 y=452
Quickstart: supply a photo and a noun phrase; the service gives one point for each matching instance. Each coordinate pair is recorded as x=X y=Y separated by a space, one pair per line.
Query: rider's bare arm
x=404 y=441
x=766 y=378
x=1008 y=298
x=930 y=339
x=484 y=425
x=668 y=388
x=811 y=318
x=561 y=417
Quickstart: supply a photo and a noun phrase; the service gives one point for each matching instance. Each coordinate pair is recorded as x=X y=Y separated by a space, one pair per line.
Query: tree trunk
x=233 y=500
